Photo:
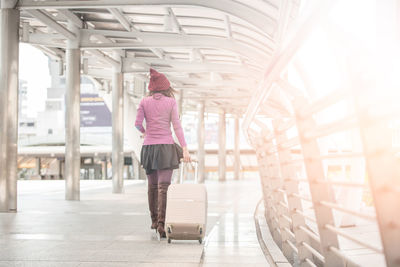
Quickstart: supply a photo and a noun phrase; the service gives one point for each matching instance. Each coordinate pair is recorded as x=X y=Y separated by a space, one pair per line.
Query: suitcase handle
x=195 y=170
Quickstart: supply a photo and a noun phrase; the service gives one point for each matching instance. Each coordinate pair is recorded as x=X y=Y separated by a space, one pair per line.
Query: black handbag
x=179 y=151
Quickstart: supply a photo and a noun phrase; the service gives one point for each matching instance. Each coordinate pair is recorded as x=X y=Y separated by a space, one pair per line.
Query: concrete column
x=104 y=163
x=222 y=146
x=38 y=166
x=9 y=52
x=180 y=104
x=236 y=162
x=72 y=118
x=136 y=168
x=118 y=132
x=201 y=141
x=60 y=174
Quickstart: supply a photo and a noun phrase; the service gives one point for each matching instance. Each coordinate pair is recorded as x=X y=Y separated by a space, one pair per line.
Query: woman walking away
x=159 y=155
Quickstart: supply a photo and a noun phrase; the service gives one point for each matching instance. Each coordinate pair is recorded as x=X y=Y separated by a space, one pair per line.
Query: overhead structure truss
x=194 y=42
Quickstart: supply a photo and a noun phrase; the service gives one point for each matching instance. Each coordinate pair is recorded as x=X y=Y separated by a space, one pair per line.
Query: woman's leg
x=152 y=193
x=164 y=180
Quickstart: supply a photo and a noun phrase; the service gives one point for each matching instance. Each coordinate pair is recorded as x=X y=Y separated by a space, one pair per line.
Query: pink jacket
x=159 y=111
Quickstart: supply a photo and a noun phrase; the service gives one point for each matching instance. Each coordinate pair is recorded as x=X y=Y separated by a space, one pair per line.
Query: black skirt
x=160 y=157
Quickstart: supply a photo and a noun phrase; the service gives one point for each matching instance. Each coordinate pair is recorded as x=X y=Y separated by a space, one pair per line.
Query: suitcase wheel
x=200 y=240
x=169 y=240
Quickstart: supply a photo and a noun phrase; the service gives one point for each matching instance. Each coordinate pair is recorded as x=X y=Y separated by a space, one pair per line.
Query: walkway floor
x=105 y=229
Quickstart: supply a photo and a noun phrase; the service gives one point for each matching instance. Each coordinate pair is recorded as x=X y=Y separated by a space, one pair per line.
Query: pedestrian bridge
x=305 y=84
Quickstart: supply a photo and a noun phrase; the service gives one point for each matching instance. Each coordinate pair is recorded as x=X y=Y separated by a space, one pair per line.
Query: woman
x=159 y=155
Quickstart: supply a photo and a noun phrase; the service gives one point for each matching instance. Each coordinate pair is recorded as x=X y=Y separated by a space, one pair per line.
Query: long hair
x=168 y=93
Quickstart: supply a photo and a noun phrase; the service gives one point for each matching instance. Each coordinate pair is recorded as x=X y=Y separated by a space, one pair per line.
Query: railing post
x=319 y=192
x=291 y=187
x=270 y=175
x=384 y=174
x=264 y=178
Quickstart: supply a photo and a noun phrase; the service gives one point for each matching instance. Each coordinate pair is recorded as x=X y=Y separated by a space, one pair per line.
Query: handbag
x=179 y=151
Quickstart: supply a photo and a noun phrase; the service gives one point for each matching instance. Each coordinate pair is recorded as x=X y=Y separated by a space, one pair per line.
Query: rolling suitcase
x=186 y=214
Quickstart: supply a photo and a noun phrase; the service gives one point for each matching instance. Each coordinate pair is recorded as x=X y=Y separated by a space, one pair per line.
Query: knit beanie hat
x=158 y=81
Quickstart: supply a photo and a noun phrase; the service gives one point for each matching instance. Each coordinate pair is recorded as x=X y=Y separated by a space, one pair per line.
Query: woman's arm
x=140 y=118
x=176 y=123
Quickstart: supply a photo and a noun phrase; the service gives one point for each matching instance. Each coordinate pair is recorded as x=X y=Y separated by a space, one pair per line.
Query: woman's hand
x=186 y=155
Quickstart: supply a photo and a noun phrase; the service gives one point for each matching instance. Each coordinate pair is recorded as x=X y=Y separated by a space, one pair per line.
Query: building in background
x=26 y=124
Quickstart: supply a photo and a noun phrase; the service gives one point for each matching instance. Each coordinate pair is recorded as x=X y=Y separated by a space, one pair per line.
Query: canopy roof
x=215 y=51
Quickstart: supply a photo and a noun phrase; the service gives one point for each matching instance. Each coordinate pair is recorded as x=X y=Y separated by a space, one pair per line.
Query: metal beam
x=69 y=15
x=105 y=58
x=161 y=40
x=265 y=22
x=158 y=52
x=177 y=26
x=228 y=26
x=121 y=18
x=129 y=65
x=47 y=20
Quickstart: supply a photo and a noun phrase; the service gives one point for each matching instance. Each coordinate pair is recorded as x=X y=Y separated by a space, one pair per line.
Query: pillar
x=38 y=166
x=104 y=166
x=222 y=146
x=236 y=162
x=72 y=118
x=9 y=53
x=201 y=141
x=117 y=131
x=180 y=104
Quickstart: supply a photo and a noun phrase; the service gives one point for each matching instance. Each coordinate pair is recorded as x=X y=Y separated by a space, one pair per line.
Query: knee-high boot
x=152 y=194
x=162 y=205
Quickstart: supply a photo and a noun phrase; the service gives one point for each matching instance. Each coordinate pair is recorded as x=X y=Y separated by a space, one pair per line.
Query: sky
x=33 y=68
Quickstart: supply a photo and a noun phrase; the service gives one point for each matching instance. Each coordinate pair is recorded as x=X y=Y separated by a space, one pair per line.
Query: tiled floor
x=105 y=229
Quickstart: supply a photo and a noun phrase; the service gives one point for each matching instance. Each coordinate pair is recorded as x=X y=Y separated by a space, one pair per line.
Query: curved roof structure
x=208 y=49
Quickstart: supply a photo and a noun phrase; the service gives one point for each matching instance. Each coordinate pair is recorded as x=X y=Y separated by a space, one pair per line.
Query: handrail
x=343 y=256
x=342 y=155
x=323 y=103
x=309 y=262
x=281 y=166
x=306 y=216
x=342 y=183
x=301 y=197
x=309 y=233
x=292 y=246
x=289 y=143
x=287 y=230
x=328 y=129
x=370 y=217
x=286 y=126
x=351 y=238
x=313 y=251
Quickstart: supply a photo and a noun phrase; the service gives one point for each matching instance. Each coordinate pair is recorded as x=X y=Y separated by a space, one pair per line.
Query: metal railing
x=303 y=203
